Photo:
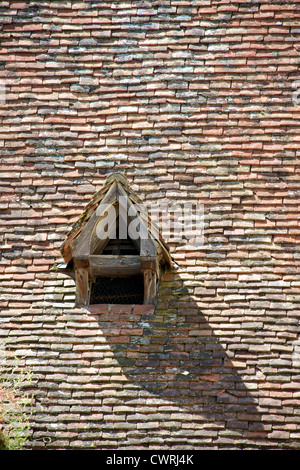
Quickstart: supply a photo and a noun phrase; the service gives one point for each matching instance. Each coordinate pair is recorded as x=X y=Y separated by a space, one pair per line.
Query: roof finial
x=117 y=176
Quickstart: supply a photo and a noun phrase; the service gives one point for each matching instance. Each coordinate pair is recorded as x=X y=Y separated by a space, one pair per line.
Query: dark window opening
x=118 y=290
x=120 y=247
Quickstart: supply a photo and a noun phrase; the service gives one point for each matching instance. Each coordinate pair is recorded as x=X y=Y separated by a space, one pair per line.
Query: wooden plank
x=81 y=263
x=97 y=244
x=115 y=264
x=82 y=246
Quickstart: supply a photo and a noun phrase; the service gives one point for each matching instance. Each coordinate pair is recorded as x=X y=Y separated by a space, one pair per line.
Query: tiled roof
x=195 y=100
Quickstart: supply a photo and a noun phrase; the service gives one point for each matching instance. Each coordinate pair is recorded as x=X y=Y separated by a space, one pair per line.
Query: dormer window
x=115 y=254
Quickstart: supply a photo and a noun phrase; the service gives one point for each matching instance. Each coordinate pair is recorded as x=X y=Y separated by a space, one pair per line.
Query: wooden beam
x=146 y=245
x=98 y=244
x=149 y=263
x=81 y=263
x=82 y=245
x=115 y=264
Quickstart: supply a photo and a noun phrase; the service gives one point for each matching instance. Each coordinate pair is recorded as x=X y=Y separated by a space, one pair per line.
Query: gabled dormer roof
x=116 y=188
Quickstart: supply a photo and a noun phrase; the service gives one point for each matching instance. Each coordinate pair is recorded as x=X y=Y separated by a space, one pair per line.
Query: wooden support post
x=150 y=280
x=82 y=287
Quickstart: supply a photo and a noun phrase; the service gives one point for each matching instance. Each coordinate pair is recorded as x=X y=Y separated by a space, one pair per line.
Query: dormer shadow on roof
x=113 y=249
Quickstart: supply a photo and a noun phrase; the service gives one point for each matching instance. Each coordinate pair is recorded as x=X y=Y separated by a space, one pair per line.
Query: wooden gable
x=92 y=256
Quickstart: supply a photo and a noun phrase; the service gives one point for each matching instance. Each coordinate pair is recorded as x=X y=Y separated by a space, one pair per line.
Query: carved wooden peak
x=118 y=177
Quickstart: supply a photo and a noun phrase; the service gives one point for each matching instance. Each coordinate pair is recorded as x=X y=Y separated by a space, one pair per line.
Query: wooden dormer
x=115 y=261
